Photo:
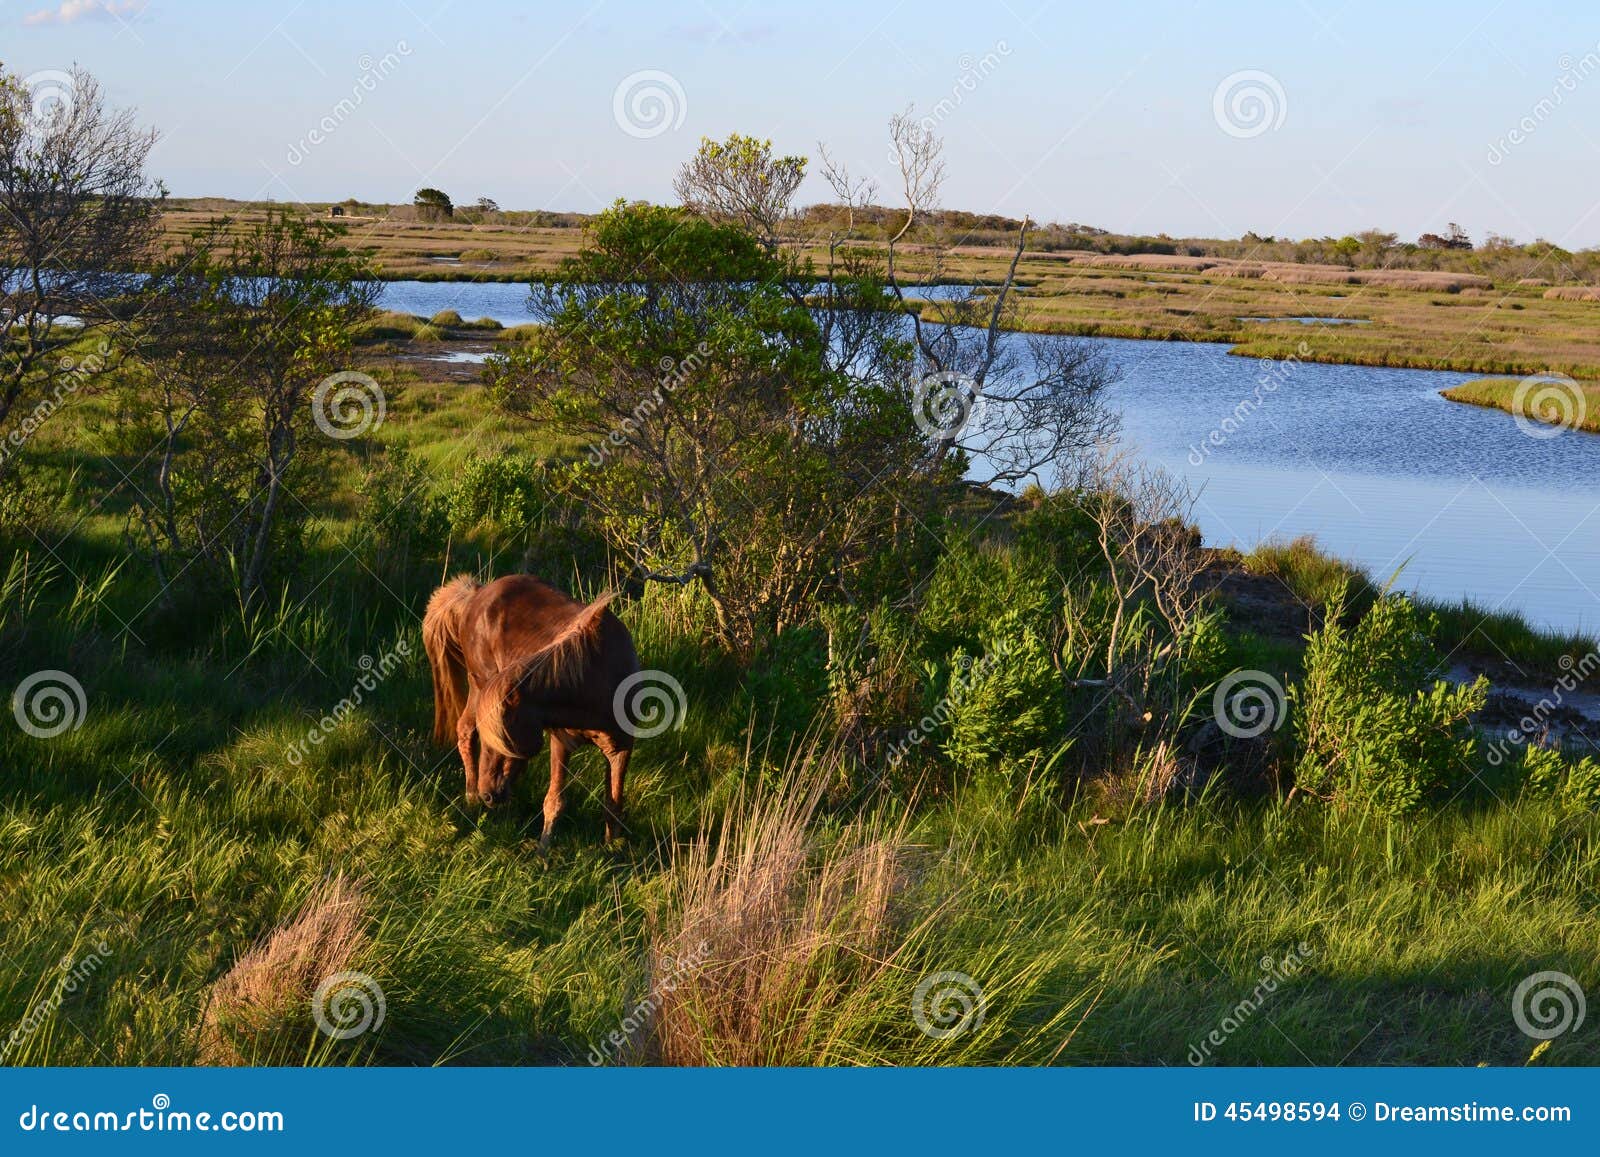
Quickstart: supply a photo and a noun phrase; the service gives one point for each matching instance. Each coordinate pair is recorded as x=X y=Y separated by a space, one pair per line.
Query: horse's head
x=509 y=738
x=497 y=776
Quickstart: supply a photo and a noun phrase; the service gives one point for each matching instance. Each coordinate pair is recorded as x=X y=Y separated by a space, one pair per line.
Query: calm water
x=507 y=302
x=1380 y=469
x=1371 y=461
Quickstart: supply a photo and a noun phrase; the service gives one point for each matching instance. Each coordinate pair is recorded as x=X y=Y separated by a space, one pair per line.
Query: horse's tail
x=441 y=638
x=559 y=663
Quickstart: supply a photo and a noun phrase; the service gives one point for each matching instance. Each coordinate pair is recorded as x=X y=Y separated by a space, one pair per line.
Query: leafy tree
x=239 y=331
x=433 y=204
x=740 y=180
x=76 y=212
x=773 y=434
x=725 y=451
x=1454 y=238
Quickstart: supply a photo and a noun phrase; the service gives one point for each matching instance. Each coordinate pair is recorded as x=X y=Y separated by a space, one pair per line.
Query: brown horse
x=516 y=658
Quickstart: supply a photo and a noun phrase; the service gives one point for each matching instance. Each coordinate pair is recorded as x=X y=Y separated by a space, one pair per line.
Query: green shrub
x=504 y=493
x=1575 y=784
x=1376 y=724
x=487 y=323
x=400 y=508
x=1005 y=704
x=529 y=332
x=971 y=582
x=479 y=256
x=447 y=318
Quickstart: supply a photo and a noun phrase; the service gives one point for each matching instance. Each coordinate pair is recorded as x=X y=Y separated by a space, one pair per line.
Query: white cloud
x=75 y=11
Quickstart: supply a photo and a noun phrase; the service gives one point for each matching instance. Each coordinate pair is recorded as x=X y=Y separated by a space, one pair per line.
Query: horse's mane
x=558 y=665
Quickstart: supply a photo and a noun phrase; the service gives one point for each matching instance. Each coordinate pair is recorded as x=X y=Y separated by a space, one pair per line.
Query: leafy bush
x=400 y=509
x=503 y=493
x=1575 y=784
x=971 y=582
x=1371 y=728
x=1005 y=704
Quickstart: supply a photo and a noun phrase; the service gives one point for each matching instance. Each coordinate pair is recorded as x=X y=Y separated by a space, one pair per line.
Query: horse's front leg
x=467 y=745
x=559 y=750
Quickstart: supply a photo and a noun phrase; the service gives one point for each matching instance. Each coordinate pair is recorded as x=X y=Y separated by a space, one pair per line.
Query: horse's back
x=520 y=615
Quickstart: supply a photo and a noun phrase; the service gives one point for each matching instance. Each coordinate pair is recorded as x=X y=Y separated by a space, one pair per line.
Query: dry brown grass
x=1573 y=293
x=771 y=934
x=269 y=989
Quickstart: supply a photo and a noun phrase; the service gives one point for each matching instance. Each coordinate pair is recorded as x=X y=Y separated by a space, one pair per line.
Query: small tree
x=238 y=333
x=726 y=451
x=433 y=204
x=76 y=215
x=1026 y=408
x=740 y=180
x=1455 y=237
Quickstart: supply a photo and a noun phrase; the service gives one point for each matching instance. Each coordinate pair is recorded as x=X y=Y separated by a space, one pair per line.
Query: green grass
x=1548 y=402
x=181 y=824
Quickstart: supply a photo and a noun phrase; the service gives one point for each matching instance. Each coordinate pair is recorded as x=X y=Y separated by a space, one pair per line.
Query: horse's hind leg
x=617 y=757
x=558 y=778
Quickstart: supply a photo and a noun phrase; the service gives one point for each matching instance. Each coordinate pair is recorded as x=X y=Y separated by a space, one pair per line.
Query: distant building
x=336 y=211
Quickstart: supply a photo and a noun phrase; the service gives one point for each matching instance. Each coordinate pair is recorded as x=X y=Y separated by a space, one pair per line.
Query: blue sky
x=1394 y=115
